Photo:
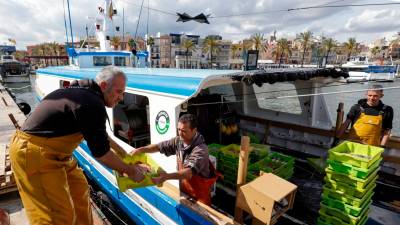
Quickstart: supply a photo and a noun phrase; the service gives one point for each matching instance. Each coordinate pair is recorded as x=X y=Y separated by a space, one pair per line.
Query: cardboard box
x=266 y=198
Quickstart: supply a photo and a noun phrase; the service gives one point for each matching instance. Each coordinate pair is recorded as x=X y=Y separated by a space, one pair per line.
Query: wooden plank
x=4 y=101
x=8 y=190
x=2 y=159
x=203 y=210
x=311 y=130
x=242 y=173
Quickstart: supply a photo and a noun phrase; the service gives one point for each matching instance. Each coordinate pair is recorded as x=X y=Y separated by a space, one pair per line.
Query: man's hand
x=160 y=179
x=136 y=172
x=136 y=151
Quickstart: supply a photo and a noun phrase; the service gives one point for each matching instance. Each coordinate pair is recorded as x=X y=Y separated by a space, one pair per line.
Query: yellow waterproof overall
x=367 y=129
x=52 y=188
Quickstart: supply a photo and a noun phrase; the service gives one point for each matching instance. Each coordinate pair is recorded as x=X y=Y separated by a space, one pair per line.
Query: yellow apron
x=52 y=188
x=367 y=129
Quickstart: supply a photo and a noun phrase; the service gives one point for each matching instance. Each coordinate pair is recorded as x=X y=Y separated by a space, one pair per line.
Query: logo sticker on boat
x=162 y=122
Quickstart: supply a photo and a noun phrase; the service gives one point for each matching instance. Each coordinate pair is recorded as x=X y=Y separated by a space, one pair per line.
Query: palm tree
x=211 y=46
x=115 y=42
x=150 y=41
x=329 y=44
x=131 y=43
x=282 y=48
x=392 y=44
x=12 y=41
x=188 y=45
x=305 y=39
x=350 y=46
x=234 y=50
x=258 y=42
x=375 y=50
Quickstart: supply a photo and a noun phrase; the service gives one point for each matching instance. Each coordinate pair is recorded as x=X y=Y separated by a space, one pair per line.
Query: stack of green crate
x=276 y=163
x=349 y=184
x=260 y=159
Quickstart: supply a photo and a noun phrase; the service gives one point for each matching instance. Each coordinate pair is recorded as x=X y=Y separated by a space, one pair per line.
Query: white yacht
x=360 y=69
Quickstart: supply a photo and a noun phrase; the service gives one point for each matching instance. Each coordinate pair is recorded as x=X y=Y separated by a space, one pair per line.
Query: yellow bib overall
x=52 y=188
x=367 y=129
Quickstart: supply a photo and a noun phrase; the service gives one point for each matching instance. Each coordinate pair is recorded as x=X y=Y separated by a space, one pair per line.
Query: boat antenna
x=70 y=24
x=65 y=24
x=148 y=15
x=123 y=26
x=137 y=24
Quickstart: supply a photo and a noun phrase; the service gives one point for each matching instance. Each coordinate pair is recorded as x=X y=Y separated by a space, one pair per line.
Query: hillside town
x=213 y=51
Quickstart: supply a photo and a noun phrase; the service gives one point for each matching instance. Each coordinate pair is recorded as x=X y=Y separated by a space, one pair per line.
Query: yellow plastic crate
x=350 y=180
x=355 y=154
x=125 y=183
x=348 y=189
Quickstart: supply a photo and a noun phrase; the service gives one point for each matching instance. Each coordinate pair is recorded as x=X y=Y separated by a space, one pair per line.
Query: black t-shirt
x=79 y=108
x=355 y=112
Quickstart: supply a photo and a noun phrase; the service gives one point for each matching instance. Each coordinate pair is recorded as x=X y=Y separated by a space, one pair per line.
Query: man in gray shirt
x=195 y=172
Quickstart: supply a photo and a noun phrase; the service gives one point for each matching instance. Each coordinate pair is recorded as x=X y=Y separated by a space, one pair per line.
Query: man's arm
x=385 y=137
x=343 y=128
x=181 y=174
x=146 y=149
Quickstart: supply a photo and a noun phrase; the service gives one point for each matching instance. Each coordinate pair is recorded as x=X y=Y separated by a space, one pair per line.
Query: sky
x=37 y=21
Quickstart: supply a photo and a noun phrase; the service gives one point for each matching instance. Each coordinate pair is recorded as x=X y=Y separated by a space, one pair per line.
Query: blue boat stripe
x=164 y=84
x=104 y=54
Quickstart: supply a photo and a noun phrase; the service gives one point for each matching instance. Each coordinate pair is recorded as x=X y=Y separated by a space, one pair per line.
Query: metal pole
x=123 y=28
x=70 y=24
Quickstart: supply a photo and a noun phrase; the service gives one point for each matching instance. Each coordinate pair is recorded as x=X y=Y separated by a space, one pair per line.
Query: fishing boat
x=360 y=69
x=248 y=102
x=12 y=71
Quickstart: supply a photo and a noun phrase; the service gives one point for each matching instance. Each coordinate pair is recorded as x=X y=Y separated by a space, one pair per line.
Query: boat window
x=102 y=60
x=64 y=83
x=7 y=57
x=355 y=69
x=120 y=61
x=226 y=91
x=131 y=120
x=267 y=97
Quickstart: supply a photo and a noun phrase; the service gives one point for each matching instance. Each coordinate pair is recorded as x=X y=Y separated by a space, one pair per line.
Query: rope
x=90 y=31
x=65 y=23
x=19 y=87
x=297 y=89
x=291 y=96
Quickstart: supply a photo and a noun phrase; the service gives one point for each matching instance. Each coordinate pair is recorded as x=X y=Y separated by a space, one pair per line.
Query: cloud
x=372 y=21
x=32 y=21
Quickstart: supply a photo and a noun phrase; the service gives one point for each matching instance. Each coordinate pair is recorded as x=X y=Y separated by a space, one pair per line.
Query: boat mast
x=104 y=28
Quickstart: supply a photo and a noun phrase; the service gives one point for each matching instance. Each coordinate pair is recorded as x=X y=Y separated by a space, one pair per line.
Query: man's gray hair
x=108 y=74
x=376 y=87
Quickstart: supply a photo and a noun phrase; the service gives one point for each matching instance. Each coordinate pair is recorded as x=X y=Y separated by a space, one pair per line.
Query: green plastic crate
x=343 y=216
x=215 y=149
x=258 y=152
x=325 y=219
x=350 y=180
x=350 y=200
x=232 y=149
x=355 y=154
x=349 y=190
x=349 y=209
x=352 y=170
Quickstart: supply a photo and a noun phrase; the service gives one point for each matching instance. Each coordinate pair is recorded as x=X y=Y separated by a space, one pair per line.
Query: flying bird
x=201 y=18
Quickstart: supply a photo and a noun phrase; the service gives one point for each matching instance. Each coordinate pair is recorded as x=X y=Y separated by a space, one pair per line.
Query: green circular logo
x=162 y=122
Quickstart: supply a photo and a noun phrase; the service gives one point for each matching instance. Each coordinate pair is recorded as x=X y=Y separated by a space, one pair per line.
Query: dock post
x=242 y=172
x=339 y=118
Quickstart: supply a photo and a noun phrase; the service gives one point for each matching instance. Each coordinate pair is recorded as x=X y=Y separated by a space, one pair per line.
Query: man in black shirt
x=370 y=119
x=52 y=188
